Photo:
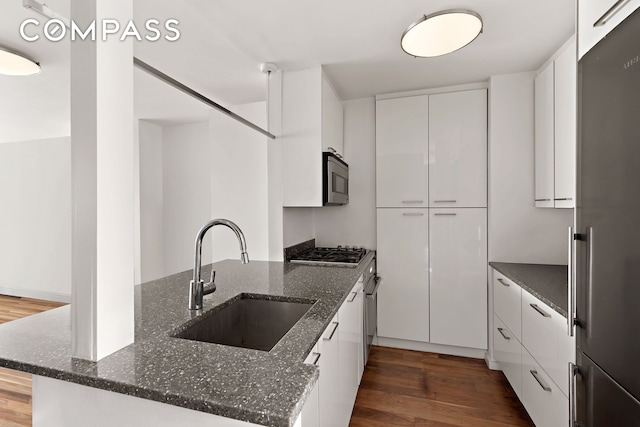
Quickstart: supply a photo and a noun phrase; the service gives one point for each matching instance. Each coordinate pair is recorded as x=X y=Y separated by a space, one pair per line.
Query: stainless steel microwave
x=335 y=180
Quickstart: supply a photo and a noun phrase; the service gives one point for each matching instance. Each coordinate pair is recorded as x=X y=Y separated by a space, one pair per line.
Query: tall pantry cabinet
x=431 y=192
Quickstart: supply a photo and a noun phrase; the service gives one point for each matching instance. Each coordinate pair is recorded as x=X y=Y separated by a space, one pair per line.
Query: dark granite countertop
x=546 y=282
x=267 y=388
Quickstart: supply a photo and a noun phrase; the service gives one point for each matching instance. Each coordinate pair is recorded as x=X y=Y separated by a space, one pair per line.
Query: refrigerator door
x=603 y=402
x=608 y=205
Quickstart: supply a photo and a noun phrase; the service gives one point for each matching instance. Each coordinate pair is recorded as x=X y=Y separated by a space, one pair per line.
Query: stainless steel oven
x=335 y=180
x=370 y=287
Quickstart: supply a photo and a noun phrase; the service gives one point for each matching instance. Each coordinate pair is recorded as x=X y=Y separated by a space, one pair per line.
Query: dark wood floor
x=15 y=387
x=409 y=388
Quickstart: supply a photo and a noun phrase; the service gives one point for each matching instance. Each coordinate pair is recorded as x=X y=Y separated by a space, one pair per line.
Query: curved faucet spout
x=197 y=285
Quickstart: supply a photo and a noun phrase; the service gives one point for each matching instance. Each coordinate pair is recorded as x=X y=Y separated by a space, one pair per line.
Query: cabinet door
x=329 y=392
x=507 y=298
x=590 y=11
x=458 y=149
x=350 y=344
x=458 y=279
x=332 y=119
x=403 y=263
x=402 y=164
x=507 y=351
x=565 y=128
x=310 y=417
x=544 y=136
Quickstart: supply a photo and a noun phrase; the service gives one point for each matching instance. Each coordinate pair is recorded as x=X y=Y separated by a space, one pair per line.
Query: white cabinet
x=458 y=149
x=402 y=156
x=329 y=381
x=555 y=131
x=350 y=350
x=544 y=402
x=310 y=415
x=311 y=122
x=591 y=11
x=544 y=334
x=507 y=297
x=458 y=280
x=544 y=131
x=507 y=351
x=403 y=262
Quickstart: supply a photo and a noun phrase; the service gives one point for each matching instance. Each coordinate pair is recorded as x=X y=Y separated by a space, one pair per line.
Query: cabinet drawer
x=544 y=335
x=507 y=351
x=545 y=403
x=506 y=303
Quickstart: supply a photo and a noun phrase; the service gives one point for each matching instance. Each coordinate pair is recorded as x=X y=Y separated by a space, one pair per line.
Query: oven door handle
x=371 y=294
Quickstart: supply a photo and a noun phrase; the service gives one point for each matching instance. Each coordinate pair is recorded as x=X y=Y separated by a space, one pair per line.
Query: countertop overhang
x=266 y=388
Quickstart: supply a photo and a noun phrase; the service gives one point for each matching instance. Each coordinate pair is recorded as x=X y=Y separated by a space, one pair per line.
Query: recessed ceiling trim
x=449 y=42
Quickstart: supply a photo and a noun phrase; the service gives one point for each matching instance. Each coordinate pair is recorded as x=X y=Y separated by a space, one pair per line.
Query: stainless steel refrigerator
x=607 y=315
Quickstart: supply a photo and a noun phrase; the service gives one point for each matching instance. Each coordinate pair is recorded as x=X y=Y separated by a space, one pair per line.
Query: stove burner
x=346 y=255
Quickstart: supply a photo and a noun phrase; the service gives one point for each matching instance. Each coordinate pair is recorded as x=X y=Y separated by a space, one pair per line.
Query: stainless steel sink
x=249 y=321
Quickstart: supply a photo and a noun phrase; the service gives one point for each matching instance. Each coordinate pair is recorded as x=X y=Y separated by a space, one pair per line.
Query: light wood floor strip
x=415 y=389
x=15 y=387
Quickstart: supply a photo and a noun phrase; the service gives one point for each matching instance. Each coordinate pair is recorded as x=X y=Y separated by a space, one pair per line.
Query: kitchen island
x=258 y=387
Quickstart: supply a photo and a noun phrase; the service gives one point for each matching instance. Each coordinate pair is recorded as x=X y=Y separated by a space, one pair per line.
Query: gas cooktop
x=342 y=255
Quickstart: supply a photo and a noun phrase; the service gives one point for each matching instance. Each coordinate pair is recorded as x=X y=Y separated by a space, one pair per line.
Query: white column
x=102 y=180
x=274 y=168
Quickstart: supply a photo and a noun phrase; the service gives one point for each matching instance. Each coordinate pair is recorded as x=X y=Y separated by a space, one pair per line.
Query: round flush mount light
x=14 y=64
x=441 y=33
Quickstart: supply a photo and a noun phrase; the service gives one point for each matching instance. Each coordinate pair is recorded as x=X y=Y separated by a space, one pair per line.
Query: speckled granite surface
x=546 y=282
x=267 y=388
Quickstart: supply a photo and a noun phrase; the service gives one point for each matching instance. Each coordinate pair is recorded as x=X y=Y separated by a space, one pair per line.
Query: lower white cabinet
x=545 y=403
x=339 y=355
x=507 y=351
x=458 y=280
x=403 y=263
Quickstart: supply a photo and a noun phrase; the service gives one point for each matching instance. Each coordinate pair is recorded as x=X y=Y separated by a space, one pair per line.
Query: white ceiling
x=222 y=44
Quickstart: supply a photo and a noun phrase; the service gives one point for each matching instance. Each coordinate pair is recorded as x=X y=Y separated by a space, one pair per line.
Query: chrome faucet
x=197 y=288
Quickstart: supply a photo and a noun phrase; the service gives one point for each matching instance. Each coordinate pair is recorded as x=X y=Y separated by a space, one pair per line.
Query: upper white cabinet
x=312 y=121
x=458 y=280
x=596 y=18
x=458 y=149
x=403 y=263
x=402 y=153
x=555 y=131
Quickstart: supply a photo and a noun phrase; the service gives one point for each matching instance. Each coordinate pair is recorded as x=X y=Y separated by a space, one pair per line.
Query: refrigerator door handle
x=573 y=372
x=571 y=318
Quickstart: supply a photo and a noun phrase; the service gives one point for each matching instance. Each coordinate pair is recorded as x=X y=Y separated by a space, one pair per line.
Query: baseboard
x=474 y=353
x=492 y=364
x=28 y=293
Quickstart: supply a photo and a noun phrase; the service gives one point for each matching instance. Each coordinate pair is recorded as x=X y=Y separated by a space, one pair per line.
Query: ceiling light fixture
x=441 y=33
x=15 y=64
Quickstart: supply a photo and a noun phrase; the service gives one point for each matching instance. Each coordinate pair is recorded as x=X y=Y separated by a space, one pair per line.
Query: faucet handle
x=209 y=288
x=213 y=277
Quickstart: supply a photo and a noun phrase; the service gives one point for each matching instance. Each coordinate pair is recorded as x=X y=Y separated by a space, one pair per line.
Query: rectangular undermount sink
x=248 y=321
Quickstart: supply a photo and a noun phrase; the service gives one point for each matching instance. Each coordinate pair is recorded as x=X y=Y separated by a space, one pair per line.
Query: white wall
x=35 y=219
x=151 y=201
x=355 y=223
x=186 y=197
x=239 y=182
x=518 y=232
x=298 y=225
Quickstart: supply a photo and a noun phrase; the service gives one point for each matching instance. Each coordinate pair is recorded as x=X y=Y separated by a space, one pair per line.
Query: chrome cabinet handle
x=564 y=198
x=539 y=310
x=412 y=202
x=338 y=155
x=503 y=283
x=542 y=384
x=444 y=201
x=572 y=288
x=505 y=336
x=542 y=200
x=444 y=214
x=412 y=214
x=353 y=296
x=335 y=328
x=333 y=150
x=573 y=408
x=590 y=237
x=316 y=358
x=617 y=6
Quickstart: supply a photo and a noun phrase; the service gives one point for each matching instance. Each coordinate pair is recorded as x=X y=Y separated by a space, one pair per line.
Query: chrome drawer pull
x=444 y=201
x=445 y=214
x=410 y=202
x=412 y=214
x=609 y=13
x=504 y=283
x=317 y=358
x=539 y=310
x=543 y=200
x=335 y=328
x=505 y=336
x=542 y=384
x=564 y=199
x=353 y=296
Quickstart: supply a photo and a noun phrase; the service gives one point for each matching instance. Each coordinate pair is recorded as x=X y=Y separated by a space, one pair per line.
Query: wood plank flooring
x=15 y=387
x=410 y=388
